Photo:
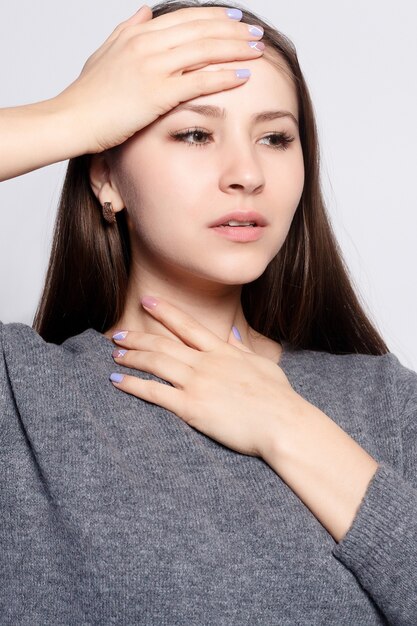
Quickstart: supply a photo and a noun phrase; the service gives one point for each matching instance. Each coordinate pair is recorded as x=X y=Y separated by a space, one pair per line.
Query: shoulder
x=24 y=359
x=27 y=359
x=360 y=367
x=23 y=349
x=358 y=380
x=22 y=345
x=36 y=373
x=372 y=371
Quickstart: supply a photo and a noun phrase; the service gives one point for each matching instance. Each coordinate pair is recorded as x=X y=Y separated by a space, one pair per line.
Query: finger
x=188 y=15
x=197 y=30
x=150 y=390
x=203 y=82
x=186 y=327
x=207 y=38
x=135 y=340
x=162 y=365
x=204 y=52
x=234 y=341
x=141 y=16
x=180 y=27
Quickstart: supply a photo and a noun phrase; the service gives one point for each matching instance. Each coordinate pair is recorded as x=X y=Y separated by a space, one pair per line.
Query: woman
x=253 y=459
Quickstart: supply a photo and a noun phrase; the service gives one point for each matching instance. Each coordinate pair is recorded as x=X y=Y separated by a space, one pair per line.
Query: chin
x=238 y=276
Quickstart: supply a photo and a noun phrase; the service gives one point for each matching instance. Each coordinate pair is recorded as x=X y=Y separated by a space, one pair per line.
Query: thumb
x=142 y=15
x=236 y=340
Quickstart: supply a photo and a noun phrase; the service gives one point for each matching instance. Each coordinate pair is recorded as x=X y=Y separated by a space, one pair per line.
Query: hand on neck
x=216 y=306
x=216 y=310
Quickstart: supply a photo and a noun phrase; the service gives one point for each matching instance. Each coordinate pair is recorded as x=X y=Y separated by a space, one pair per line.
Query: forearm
x=323 y=465
x=35 y=135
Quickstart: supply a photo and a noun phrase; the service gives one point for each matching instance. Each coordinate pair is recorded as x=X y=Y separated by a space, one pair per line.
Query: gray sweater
x=115 y=511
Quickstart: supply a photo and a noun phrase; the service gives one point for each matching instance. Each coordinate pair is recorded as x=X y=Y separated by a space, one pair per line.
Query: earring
x=108 y=213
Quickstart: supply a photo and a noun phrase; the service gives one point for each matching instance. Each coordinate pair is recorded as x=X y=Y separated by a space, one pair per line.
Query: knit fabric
x=115 y=511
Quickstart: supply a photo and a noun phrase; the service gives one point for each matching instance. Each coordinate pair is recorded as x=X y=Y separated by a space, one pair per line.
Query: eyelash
x=285 y=139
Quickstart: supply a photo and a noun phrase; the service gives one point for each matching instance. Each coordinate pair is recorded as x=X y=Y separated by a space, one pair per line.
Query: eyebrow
x=213 y=111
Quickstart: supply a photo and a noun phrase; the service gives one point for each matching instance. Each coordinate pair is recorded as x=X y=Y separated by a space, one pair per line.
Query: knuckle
x=124 y=34
x=158 y=343
x=206 y=46
x=199 y=28
x=153 y=359
x=135 y=45
x=119 y=29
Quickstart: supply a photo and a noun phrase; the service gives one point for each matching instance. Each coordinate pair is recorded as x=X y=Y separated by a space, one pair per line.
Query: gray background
x=359 y=61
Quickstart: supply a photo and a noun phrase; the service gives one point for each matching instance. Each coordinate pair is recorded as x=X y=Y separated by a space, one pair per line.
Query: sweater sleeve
x=380 y=547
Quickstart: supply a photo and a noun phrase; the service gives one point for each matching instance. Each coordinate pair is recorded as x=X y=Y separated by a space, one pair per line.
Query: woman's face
x=174 y=189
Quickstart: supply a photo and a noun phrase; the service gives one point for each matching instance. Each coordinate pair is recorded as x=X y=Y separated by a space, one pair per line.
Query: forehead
x=269 y=86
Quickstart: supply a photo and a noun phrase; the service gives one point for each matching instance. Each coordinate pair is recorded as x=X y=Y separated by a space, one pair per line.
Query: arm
x=370 y=509
x=36 y=135
x=124 y=86
x=81 y=118
x=323 y=465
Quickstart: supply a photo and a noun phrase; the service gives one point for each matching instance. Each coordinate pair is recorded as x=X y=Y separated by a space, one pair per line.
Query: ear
x=102 y=183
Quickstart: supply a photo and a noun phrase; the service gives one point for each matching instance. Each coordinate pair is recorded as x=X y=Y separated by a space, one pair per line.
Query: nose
x=240 y=168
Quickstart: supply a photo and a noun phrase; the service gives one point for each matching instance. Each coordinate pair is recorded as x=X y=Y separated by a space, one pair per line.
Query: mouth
x=241 y=226
x=236 y=224
x=240 y=219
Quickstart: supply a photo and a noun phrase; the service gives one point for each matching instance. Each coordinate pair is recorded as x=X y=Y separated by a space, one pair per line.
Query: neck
x=217 y=307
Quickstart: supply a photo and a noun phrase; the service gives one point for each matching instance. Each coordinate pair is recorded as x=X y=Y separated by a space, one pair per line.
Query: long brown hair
x=304 y=297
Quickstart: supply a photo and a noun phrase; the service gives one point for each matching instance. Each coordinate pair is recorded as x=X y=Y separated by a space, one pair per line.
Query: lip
x=242 y=216
x=239 y=233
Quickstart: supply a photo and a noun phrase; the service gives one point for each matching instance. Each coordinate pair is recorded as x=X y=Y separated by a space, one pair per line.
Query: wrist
x=284 y=429
x=36 y=135
x=72 y=136
x=325 y=467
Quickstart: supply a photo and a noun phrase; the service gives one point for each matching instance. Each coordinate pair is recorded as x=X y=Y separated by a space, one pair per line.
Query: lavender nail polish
x=236 y=333
x=118 y=353
x=258 y=31
x=116 y=377
x=242 y=73
x=258 y=45
x=234 y=14
x=121 y=334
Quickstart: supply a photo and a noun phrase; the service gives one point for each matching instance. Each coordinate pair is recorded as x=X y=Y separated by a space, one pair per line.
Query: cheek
x=299 y=179
x=157 y=206
x=288 y=182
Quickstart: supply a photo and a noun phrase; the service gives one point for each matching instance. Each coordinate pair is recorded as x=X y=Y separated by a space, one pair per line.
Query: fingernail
x=258 y=45
x=121 y=334
x=116 y=378
x=234 y=14
x=236 y=333
x=149 y=302
x=257 y=31
x=242 y=73
x=118 y=353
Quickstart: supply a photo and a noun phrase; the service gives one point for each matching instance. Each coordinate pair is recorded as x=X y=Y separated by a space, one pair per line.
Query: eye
x=283 y=140
x=196 y=132
x=198 y=137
